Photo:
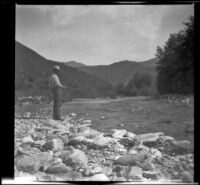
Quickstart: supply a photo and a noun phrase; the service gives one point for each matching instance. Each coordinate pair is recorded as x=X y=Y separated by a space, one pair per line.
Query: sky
x=98 y=34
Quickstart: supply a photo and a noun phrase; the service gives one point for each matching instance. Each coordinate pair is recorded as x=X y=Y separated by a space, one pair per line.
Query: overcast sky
x=98 y=34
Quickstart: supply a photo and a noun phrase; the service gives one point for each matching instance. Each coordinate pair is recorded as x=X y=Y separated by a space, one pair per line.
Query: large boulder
x=28 y=164
x=180 y=147
x=75 y=158
x=186 y=176
x=132 y=159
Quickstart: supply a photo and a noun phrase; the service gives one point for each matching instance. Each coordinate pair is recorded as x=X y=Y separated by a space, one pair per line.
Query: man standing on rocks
x=56 y=86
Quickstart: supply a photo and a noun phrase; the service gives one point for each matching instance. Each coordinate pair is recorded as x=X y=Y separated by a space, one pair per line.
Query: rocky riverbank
x=69 y=150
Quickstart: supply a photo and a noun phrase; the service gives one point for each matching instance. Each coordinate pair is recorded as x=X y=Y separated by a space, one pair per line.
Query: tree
x=175 y=66
x=139 y=85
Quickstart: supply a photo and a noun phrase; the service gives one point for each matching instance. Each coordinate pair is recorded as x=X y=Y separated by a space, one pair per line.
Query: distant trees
x=141 y=84
x=175 y=66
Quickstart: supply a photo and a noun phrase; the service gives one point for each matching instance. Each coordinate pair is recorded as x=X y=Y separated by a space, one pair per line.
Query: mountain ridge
x=32 y=72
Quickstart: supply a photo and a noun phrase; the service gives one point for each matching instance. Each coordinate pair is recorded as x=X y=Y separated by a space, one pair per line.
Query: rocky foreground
x=48 y=150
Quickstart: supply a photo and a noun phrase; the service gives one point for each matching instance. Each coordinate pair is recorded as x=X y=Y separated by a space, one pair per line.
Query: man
x=56 y=87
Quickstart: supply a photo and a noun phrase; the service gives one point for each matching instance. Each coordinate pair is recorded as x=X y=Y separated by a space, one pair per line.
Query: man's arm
x=57 y=81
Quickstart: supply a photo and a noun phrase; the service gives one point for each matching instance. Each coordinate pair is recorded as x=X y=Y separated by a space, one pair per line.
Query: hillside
x=74 y=64
x=121 y=71
x=32 y=72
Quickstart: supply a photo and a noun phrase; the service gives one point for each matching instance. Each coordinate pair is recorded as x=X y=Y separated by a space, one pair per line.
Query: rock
x=118 y=133
x=27 y=140
x=106 y=170
x=64 y=139
x=54 y=124
x=83 y=131
x=119 y=170
x=186 y=176
x=155 y=153
x=167 y=138
x=149 y=139
x=181 y=157
x=73 y=114
x=51 y=136
x=148 y=165
x=128 y=159
x=96 y=170
x=57 y=160
x=55 y=145
x=77 y=140
x=39 y=143
x=75 y=158
x=121 y=179
x=153 y=175
x=135 y=173
x=132 y=151
x=87 y=121
x=121 y=125
x=87 y=172
x=98 y=177
x=189 y=128
x=57 y=169
x=44 y=157
x=130 y=135
x=117 y=147
x=180 y=147
x=28 y=164
x=127 y=142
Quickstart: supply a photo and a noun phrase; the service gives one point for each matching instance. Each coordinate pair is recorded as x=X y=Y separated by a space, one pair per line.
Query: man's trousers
x=56 y=102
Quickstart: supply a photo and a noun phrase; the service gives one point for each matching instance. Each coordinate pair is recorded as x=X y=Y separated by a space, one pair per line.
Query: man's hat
x=56 y=67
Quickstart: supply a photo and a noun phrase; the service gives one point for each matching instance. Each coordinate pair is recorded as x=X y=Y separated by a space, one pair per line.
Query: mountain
x=149 y=63
x=32 y=72
x=74 y=64
x=121 y=71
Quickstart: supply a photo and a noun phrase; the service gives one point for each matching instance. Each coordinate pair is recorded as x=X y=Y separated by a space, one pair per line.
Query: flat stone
x=153 y=175
x=149 y=139
x=128 y=159
x=98 y=177
x=28 y=140
x=57 y=169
